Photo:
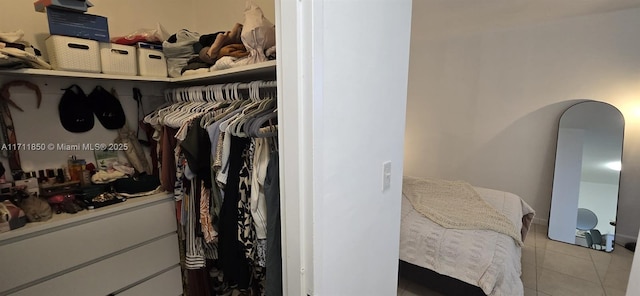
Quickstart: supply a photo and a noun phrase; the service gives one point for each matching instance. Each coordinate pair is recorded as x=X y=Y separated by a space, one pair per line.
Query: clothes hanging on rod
x=273 y=284
x=216 y=145
x=255 y=90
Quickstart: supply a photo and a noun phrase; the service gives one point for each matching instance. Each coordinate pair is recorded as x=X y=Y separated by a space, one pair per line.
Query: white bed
x=483 y=258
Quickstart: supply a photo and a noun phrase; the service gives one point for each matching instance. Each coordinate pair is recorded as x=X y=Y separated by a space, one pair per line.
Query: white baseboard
x=540 y=221
x=622 y=239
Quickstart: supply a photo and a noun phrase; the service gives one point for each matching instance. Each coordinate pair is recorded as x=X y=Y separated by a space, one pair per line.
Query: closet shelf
x=56 y=73
x=260 y=71
x=265 y=71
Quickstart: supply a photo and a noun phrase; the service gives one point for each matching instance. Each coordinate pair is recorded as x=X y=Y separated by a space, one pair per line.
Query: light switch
x=386 y=175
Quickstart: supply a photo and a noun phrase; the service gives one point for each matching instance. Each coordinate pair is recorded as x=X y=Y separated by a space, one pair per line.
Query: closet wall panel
x=42 y=125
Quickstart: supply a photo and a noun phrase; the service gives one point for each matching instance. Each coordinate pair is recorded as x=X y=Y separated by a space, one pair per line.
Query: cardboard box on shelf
x=74 y=5
x=76 y=24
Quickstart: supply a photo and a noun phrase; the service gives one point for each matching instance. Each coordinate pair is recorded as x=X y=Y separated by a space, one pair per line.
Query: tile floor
x=551 y=268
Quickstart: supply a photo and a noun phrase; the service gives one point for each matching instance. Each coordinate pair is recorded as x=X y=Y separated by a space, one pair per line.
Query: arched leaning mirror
x=584 y=201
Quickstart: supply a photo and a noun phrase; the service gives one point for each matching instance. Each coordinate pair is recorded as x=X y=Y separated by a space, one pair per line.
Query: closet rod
x=209 y=92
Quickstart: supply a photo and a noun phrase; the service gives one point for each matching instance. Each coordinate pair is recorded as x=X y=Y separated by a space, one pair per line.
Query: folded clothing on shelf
x=28 y=59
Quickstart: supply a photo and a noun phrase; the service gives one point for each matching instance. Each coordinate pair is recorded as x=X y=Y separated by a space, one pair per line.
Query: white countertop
x=63 y=220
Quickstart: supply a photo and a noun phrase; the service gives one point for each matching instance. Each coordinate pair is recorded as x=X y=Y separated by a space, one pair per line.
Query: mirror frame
x=567 y=174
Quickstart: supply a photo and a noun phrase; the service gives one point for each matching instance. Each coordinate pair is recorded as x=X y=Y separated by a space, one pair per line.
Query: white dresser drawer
x=33 y=256
x=168 y=283
x=114 y=273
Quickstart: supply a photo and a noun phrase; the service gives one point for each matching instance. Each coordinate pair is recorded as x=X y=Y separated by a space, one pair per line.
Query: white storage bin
x=73 y=54
x=151 y=63
x=118 y=59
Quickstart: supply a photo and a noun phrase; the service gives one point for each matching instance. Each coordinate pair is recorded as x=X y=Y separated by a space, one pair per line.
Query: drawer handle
x=78 y=46
x=120 y=51
x=156 y=57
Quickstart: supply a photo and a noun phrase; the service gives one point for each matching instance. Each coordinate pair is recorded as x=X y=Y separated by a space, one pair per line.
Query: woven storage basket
x=73 y=54
x=151 y=63
x=118 y=59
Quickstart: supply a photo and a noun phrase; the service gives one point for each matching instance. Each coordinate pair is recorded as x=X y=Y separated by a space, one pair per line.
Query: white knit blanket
x=456 y=205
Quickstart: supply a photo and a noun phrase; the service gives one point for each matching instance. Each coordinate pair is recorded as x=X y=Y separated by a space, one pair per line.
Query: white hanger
x=235 y=127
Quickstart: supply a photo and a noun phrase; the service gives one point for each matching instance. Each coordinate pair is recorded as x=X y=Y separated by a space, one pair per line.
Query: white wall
x=484 y=106
x=213 y=16
x=42 y=125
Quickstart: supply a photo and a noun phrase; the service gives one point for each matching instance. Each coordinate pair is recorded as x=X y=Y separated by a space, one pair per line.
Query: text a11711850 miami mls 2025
x=64 y=146
x=92 y=147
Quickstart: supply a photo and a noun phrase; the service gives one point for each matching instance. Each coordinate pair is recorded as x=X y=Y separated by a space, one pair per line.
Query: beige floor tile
x=530 y=292
x=543 y=294
x=614 y=292
x=559 y=284
x=541 y=236
x=400 y=291
x=573 y=266
x=529 y=277
x=530 y=241
x=622 y=251
x=541 y=245
x=621 y=259
x=528 y=255
x=602 y=271
x=600 y=257
x=616 y=278
x=540 y=252
x=568 y=249
x=531 y=237
x=541 y=228
x=601 y=261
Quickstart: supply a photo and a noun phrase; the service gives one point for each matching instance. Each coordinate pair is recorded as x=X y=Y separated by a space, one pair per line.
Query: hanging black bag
x=107 y=108
x=74 y=110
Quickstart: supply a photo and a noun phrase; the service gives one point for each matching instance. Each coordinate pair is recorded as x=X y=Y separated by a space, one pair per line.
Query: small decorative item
x=35 y=208
x=106 y=158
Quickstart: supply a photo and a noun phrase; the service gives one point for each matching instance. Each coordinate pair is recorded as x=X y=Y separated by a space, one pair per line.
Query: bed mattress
x=482 y=258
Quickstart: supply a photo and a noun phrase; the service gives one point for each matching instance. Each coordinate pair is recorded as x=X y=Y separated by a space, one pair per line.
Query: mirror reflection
x=587 y=175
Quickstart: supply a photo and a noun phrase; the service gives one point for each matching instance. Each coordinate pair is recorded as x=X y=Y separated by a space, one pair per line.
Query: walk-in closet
x=311 y=142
